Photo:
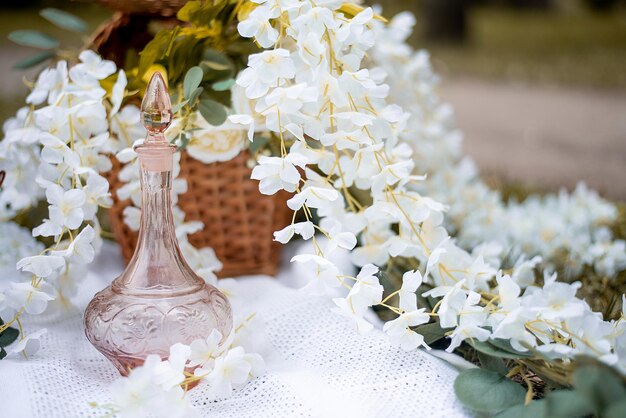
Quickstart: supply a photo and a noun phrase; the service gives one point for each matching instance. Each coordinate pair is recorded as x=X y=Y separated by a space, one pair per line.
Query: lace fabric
x=317 y=365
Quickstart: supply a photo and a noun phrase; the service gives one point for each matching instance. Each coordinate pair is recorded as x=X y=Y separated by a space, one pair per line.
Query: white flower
x=138 y=395
x=66 y=206
x=93 y=65
x=41 y=265
x=555 y=301
x=367 y=290
x=50 y=85
x=339 y=239
x=117 y=93
x=278 y=173
x=170 y=373
x=210 y=144
x=231 y=370
x=326 y=274
x=471 y=325
x=56 y=151
x=345 y=309
x=411 y=280
x=96 y=195
x=313 y=197
x=304 y=229
x=80 y=250
x=265 y=69
x=28 y=344
x=204 y=352
x=32 y=299
x=245 y=120
x=316 y=20
x=454 y=299
x=401 y=334
x=257 y=25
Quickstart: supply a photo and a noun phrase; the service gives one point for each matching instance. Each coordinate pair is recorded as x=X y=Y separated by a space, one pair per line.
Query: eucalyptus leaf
x=214 y=60
x=599 y=384
x=8 y=336
x=33 y=60
x=488 y=348
x=192 y=81
x=567 y=404
x=212 y=111
x=258 y=142
x=64 y=20
x=431 y=332
x=615 y=410
x=535 y=409
x=492 y=363
x=179 y=106
x=487 y=391
x=195 y=94
x=33 y=38
x=223 y=85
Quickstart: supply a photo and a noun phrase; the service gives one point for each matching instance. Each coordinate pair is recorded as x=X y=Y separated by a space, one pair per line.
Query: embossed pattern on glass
x=158 y=300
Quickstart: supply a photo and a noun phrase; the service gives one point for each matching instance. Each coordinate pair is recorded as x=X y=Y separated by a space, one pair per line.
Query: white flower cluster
x=56 y=148
x=158 y=387
x=566 y=230
x=341 y=134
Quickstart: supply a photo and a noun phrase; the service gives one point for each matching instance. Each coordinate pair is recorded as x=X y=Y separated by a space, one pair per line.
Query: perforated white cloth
x=317 y=364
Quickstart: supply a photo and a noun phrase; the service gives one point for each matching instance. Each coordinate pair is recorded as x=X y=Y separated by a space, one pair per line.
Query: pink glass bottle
x=158 y=300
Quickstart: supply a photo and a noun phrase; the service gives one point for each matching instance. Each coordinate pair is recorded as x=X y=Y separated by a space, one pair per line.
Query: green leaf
x=212 y=111
x=33 y=38
x=8 y=336
x=615 y=410
x=3 y=353
x=567 y=404
x=179 y=106
x=64 y=20
x=487 y=347
x=431 y=332
x=223 y=85
x=493 y=363
x=153 y=51
x=258 y=142
x=195 y=94
x=486 y=391
x=193 y=78
x=535 y=409
x=212 y=59
x=195 y=11
x=33 y=60
x=599 y=384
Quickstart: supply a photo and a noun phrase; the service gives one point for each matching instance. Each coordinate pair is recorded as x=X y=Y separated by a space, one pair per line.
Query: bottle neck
x=156 y=232
x=157 y=264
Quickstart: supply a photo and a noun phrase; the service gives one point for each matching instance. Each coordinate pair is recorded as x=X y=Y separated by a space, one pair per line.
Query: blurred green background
x=539 y=86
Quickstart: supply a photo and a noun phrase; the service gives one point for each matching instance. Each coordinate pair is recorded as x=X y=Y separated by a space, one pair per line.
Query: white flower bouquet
x=337 y=110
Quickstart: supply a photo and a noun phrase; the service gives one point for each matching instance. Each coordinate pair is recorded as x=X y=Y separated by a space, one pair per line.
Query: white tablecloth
x=317 y=365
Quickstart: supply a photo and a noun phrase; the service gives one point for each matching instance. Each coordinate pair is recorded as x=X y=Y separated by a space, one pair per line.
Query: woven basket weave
x=239 y=221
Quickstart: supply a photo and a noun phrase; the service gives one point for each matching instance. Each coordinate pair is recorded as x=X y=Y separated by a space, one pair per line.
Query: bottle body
x=158 y=300
x=126 y=328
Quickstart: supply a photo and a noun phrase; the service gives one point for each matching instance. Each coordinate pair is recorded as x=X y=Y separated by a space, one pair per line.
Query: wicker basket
x=239 y=221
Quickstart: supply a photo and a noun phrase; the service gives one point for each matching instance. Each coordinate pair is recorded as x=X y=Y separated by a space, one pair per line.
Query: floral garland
x=330 y=112
x=570 y=231
x=354 y=160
